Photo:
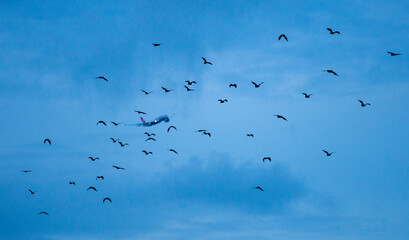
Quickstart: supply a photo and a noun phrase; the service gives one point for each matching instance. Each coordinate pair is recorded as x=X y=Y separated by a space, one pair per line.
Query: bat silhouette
x=307 y=95
x=328 y=153
x=93 y=159
x=279 y=116
x=146 y=93
x=331 y=71
x=283 y=36
x=332 y=32
x=171 y=128
x=140 y=112
x=102 y=77
x=102 y=122
x=188 y=89
x=190 y=82
x=146 y=152
x=167 y=90
x=116 y=124
x=364 y=104
x=119 y=168
x=123 y=144
x=205 y=61
x=92 y=188
x=393 y=54
x=256 y=85
x=173 y=150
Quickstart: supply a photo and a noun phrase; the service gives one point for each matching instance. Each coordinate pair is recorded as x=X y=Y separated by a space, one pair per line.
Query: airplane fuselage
x=156 y=121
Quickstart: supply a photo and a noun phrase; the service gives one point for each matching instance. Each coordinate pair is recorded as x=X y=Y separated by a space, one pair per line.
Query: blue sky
x=52 y=52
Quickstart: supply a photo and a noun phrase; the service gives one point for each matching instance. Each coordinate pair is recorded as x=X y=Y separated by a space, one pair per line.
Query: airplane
x=151 y=123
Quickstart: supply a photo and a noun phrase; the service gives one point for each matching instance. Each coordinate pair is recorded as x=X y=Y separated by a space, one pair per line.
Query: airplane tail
x=143 y=120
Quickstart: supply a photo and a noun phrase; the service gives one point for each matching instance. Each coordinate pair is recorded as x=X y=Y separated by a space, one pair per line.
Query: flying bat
x=283 y=36
x=101 y=77
x=332 y=32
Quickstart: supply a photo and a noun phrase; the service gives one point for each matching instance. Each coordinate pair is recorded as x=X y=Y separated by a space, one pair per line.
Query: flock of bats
x=202 y=131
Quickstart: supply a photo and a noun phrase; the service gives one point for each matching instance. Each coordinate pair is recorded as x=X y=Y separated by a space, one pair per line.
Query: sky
x=51 y=52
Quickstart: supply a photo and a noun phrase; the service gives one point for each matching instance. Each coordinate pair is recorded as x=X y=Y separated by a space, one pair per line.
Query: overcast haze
x=51 y=52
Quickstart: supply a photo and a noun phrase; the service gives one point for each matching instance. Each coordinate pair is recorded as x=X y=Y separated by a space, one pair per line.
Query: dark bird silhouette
x=188 y=89
x=116 y=124
x=267 y=158
x=364 y=104
x=205 y=61
x=332 y=32
x=140 y=112
x=171 y=128
x=119 y=168
x=26 y=171
x=167 y=90
x=233 y=85
x=46 y=213
x=330 y=71
x=123 y=144
x=283 y=36
x=93 y=159
x=250 y=135
x=92 y=188
x=100 y=177
x=107 y=199
x=114 y=140
x=201 y=130
x=101 y=77
x=207 y=133
x=47 y=140
x=256 y=85
x=156 y=44
x=307 y=95
x=72 y=183
x=102 y=122
x=222 y=101
x=190 y=82
x=279 y=116
x=32 y=192
x=146 y=152
x=150 y=139
x=393 y=54
x=149 y=134
x=173 y=150
x=327 y=153
x=259 y=188
x=146 y=93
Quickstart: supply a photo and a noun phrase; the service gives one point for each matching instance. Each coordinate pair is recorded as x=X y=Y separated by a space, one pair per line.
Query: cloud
x=220 y=182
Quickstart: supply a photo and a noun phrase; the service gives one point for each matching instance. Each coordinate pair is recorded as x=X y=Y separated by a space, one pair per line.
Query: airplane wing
x=136 y=124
